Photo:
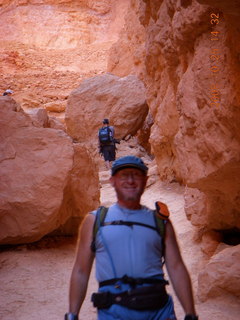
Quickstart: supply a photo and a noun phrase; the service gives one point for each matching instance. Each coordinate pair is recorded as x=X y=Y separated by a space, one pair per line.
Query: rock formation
x=121 y=100
x=221 y=275
x=48 y=47
x=191 y=74
x=42 y=178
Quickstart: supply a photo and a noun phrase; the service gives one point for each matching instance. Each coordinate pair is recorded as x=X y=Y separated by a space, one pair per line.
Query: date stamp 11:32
x=215 y=60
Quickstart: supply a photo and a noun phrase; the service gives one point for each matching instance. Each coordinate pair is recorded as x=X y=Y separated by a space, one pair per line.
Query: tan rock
x=210 y=242
x=127 y=55
x=56 y=123
x=82 y=192
x=10 y=103
x=121 y=100
x=39 y=117
x=195 y=206
x=39 y=170
x=55 y=106
x=221 y=275
x=144 y=133
x=102 y=6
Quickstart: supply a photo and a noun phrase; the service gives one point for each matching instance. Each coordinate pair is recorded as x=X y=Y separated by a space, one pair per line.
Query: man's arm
x=177 y=271
x=82 y=266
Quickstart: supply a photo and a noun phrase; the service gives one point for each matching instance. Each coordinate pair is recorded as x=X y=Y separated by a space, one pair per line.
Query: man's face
x=129 y=184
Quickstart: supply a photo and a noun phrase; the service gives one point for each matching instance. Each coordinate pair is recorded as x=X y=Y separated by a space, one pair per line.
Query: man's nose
x=130 y=177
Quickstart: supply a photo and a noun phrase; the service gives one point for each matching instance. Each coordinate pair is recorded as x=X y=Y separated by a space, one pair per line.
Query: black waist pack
x=143 y=298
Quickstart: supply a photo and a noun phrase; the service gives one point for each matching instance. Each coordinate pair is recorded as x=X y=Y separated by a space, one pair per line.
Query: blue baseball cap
x=129 y=162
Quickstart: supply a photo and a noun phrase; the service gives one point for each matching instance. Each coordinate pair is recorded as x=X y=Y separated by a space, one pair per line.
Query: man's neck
x=132 y=205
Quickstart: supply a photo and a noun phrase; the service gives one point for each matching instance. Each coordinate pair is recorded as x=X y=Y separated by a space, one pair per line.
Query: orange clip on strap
x=162 y=210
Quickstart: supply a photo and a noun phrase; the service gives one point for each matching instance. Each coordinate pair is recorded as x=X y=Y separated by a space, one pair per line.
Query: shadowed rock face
x=42 y=174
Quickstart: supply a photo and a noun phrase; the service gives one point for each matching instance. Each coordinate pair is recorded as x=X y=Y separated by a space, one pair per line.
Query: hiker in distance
x=106 y=143
x=7 y=92
x=131 y=243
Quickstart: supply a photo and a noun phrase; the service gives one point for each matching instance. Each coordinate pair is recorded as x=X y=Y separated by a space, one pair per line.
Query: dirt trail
x=34 y=278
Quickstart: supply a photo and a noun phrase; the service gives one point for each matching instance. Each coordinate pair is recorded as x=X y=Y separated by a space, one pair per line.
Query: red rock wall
x=48 y=47
x=192 y=81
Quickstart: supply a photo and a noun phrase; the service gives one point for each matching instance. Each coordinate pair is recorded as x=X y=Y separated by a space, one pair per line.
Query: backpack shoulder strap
x=161 y=216
x=160 y=224
x=99 y=221
x=162 y=210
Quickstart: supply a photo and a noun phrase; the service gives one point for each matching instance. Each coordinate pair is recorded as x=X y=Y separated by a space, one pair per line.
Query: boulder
x=39 y=169
x=121 y=100
x=55 y=123
x=39 y=117
x=82 y=193
x=210 y=242
x=221 y=275
x=55 y=106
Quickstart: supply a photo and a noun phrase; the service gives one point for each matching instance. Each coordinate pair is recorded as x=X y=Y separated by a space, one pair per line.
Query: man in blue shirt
x=129 y=257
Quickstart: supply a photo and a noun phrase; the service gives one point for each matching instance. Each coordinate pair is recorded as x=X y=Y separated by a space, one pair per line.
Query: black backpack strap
x=160 y=224
x=128 y=223
x=161 y=216
x=99 y=221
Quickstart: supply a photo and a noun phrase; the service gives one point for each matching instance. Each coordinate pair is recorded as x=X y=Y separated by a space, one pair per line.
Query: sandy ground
x=34 y=278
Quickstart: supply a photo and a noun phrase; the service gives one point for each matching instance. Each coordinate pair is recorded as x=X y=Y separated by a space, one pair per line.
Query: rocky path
x=34 y=278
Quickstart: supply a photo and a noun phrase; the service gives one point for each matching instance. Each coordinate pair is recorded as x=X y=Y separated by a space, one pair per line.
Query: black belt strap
x=142 y=298
x=131 y=281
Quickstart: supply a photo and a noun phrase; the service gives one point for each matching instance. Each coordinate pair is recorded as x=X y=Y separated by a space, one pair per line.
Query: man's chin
x=131 y=197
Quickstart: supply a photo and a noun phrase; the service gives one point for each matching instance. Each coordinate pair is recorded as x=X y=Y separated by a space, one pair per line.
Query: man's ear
x=112 y=181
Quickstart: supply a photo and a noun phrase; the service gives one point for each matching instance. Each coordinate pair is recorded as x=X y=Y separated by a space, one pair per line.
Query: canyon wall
x=191 y=73
x=48 y=47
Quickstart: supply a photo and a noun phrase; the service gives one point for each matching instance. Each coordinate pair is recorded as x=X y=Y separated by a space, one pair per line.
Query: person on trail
x=106 y=143
x=8 y=92
x=131 y=243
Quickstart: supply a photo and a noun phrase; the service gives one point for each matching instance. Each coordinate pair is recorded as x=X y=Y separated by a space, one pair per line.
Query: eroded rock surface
x=48 y=47
x=43 y=178
x=121 y=100
x=221 y=274
x=191 y=73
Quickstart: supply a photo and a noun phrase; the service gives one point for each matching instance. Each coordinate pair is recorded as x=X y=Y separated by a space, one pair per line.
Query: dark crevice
x=230 y=237
x=186 y=3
